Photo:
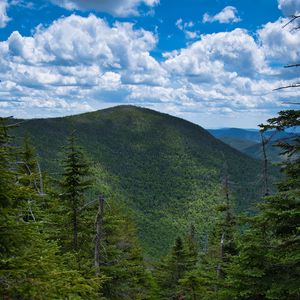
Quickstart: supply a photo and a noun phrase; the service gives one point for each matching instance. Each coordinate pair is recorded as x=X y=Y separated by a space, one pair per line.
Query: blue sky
x=213 y=62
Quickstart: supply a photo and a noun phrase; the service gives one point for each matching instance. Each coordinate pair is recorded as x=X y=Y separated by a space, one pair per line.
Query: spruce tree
x=268 y=264
x=172 y=269
x=31 y=265
x=121 y=260
x=75 y=181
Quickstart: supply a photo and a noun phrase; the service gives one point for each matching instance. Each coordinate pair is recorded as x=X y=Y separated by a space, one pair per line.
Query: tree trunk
x=99 y=233
x=75 y=229
x=265 y=167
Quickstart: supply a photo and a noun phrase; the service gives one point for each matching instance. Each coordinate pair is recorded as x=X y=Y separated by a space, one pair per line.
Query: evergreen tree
x=121 y=259
x=172 y=269
x=192 y=247
x=75 y=181
x=209 y=280
x=268 y=265
x=31 y=265
x=7 y=176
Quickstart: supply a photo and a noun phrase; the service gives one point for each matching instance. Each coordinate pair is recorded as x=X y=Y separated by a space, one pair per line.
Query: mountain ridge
x=169 y=171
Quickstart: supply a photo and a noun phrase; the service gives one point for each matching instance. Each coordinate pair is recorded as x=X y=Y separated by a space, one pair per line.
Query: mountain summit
x=169 y=171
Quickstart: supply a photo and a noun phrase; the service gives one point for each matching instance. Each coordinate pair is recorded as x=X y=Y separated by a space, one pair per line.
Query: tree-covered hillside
x=168 y=170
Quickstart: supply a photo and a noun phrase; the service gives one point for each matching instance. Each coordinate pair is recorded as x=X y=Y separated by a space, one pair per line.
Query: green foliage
x=74 y=183
x=166 y=169
x=268 y=264
x=31 y=265
x=177 y=274
x=121 y=259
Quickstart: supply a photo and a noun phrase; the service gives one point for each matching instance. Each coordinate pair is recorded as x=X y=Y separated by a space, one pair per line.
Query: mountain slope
x=238 y=133
x=168 y=170
x=248 y=141
x=237 y=143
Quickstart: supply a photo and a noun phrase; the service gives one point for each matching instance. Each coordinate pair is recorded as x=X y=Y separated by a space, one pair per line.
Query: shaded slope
x=169 y=170
x=237 y=143
x=248 y=141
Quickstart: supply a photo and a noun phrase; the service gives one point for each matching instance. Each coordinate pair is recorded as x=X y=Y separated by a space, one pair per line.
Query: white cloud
x=92 y=43
x=4 y=19
x=227 y=15
x=187 y=29
x=121 y=8
x=289 y=7
x=280 y=44
x=54 y=64
x=215 y=54
x=83 y=63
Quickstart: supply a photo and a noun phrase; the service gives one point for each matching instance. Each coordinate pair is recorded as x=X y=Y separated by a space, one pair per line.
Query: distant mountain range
x=168 y=171
x=248 y=141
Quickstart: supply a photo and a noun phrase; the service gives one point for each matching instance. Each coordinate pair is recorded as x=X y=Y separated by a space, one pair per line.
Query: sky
x=213 y=62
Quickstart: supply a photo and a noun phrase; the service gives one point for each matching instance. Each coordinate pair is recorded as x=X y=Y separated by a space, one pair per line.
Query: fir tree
x=31 y=265
x=74 y=183
x=171 y=271
x=268 y=264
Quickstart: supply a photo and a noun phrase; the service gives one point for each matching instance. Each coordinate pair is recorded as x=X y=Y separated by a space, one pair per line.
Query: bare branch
x=294 y=103
x=30 y=210
x=294 y=85
x=293 y=18
x=293 y=65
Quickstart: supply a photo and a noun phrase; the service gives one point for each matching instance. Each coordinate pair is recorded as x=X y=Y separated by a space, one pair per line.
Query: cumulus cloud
x=289 y=7
x=121 y=8
x=4 y=19
x=100 y=64
x=93 y=43
x=226 y=15
x=234 y=52
x=280 y=44
x=65 y=66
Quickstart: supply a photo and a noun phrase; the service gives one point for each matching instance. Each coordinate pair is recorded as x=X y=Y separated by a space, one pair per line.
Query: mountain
x=248 y=141
x=255 y=151
x=238 y=143
x=168 y=171
x=237 y=133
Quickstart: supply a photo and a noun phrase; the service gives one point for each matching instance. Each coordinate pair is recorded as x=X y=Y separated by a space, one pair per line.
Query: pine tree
x=172 y=269
x=7 y=176
x=192 y=247
x=268 y=264
x=31 y=265
x=121 y=260
x=74 y=183
x=281 y=213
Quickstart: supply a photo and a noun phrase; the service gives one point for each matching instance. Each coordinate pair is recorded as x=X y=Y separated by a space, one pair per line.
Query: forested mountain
x=248 y=141
x=237 y=133
x=170 y=172
x=71 y=234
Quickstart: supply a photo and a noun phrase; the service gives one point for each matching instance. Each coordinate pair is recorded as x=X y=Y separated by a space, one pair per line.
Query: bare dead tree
x=264 y=143
x=99 y=233
x=219 y=267
x=41 y=179
x=227 y=216
x=38 y=186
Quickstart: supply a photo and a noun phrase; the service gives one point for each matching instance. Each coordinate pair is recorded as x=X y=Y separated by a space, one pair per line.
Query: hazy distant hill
x=168 y=170
x=248 y=141
x=237 y=133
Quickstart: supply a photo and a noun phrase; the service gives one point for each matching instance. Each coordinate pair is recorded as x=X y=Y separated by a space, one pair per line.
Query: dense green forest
x=154 y=208
x=168 y=171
